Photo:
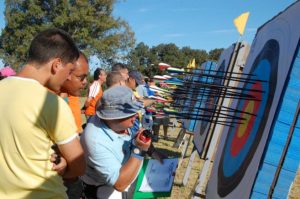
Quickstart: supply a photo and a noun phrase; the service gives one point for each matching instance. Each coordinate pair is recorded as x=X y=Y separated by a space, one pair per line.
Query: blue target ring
x=238 y=151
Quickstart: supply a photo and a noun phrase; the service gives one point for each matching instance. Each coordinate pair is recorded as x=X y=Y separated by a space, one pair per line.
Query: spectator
x=157 y=122
x=36 y=119
x=121 y=68
x=6 y=72
x=141 y=89
x=148 y=84
x=115 y=78
x=73 y=87
x=135 y=79
x=114 y=156
x=95 y=92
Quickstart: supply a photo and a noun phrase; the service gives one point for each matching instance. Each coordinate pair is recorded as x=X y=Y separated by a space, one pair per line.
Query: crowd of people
x=45 y=149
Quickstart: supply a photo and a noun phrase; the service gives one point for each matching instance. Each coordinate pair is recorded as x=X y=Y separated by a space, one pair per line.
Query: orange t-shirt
x=91 y=109
x=74 y=104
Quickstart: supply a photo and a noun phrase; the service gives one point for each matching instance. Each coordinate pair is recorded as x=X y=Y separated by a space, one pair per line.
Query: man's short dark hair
x=97 y=72
x=118 y=66
x=84 y=56
x=52 y=43
x=113 y=78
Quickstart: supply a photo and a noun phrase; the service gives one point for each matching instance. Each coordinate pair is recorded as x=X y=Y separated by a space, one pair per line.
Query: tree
x=139 y=57
x=168 y=53
x=146 y=59
x=200 y=56
x=90 y=23
x=215 y=54
x=143 y=59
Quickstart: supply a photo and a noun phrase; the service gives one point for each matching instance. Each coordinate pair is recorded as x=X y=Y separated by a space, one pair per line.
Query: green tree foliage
x=188 y=54
x=168 y=53
x=89 y=22
x=215 y=54
x=146 y=59
x=139 y=57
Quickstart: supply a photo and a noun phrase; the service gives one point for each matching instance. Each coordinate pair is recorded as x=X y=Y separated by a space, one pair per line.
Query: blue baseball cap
x=118 y=102
x=137 y=76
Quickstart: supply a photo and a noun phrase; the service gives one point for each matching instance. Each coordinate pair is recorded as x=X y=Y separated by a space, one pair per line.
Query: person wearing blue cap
x=114 y=155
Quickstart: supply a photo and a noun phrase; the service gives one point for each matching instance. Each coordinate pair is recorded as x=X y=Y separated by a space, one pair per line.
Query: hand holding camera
x=143 y=139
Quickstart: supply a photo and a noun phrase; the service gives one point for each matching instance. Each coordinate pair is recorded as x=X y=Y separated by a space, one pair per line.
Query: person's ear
x=56 y=65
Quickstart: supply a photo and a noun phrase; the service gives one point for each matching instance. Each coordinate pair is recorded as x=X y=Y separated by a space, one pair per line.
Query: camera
x=146 y=135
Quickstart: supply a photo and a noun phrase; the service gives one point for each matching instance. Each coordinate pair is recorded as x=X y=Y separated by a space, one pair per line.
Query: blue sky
x=198 y=24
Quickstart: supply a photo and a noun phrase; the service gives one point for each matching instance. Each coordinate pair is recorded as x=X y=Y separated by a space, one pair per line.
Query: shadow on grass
x=168 y=139
x=168 y=153
x=178 y=184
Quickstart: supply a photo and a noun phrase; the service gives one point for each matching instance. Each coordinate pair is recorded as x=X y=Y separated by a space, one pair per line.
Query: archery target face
x=236 y=165
x=243 y=139
x=203 y=127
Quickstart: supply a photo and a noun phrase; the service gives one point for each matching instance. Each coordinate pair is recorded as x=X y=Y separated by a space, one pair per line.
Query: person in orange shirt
x=73 y=87
x=70 y=91
x=95 y=93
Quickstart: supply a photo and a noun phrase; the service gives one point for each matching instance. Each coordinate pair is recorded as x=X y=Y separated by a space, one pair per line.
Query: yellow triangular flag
x=193 y=63
x=240 y=22
x=189 y=64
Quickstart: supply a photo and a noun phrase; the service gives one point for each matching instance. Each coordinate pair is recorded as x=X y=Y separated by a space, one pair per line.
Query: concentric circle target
x=243 y=139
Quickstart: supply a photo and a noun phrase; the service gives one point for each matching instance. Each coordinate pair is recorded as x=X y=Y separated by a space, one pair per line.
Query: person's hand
x=140 y=98
x=153 y=101
x=59 y=163
x=139 y=141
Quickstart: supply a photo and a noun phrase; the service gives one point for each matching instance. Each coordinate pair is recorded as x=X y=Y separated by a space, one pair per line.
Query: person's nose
x=69 y=77
x=84 y=82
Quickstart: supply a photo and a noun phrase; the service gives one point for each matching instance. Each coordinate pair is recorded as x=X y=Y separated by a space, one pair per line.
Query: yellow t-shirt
x=31 y=120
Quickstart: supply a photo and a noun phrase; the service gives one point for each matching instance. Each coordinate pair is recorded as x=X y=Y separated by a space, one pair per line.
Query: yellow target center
x=242 y=128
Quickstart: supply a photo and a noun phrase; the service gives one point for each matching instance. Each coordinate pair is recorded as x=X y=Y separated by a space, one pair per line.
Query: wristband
x=134 y=145
x=137 y=156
